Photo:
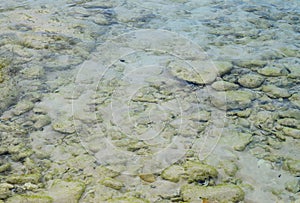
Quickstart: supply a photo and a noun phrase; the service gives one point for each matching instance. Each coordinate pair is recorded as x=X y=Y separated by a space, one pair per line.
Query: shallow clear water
x=101 y=98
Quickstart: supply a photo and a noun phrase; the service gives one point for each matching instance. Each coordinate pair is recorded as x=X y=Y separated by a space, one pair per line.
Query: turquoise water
x=149 y=101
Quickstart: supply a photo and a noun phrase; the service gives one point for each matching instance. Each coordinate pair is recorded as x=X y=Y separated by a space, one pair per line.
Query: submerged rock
x=295 y=133
x=224 y=86
x=295 y=99
x=65 y=126
x=9 y=94
x=271 y=71
x=197 y=171
x=293 y=186
x=127 y=200
x=292 y=166
x=30 y=199
x=223 y=67
x=23 y=107
x=22 y=179
x=251 y=63
x=196 y=75
x=66 y=191
x=150 y=178
x=5 y=190
x=276 y=92
x=232 y=99
x=173 y=173
x=251 y=80
x=112 y=183
x=219 y=193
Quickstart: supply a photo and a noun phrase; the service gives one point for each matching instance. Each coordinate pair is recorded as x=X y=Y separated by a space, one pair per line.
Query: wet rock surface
x=237 y=112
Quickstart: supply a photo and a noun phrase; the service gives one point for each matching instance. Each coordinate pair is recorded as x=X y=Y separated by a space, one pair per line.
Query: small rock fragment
x=112 y=183
x=150 y=178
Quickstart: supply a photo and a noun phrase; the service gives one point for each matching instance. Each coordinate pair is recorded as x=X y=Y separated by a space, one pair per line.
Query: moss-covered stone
x=292 y=166
x=41 y=121
x=292 y=132
x=64 y=125
x=276 y=92
x=251 y=80
x=223 y=67
x=22 y=154
x=251 y=64
x=23 y=107
x=173 y=173
x=148 y=177
x=293 y=186
x=232 y=99
x=5 y=167
x=5 y=190
x=224 y=86
x=66 y=191
x=21 y=179
x=229 y=167
x=244 y=140
x=203 y=75
x=197 y=171
x=29 y=199
x=271 y=71
x=295 y=99
x=112 y=183
x=220 y=193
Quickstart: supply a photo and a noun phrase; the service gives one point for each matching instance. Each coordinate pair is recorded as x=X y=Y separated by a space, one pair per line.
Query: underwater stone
x=244 y=140
x=127 y=200
x=195 y=75
x=223 y=67
x=66 y=191
x=224 y=86
x=229 y=167
x=9 y=94
x=5 y=167
x=295 y=133
x=41 y=121
x=289 y=122
x=292 y=166
x=112 y=183
x=173 y=173
x=64 y=126
x=29 y=199
x=219 y=193
x=5 y=190
x=197 y=171
x=33 y=72
x=271 y=71
x=293 y=186
x=276 y=92
x=231 y=99
x=22 y=179
x=251 y=80
x=23 y=107
x=295 y=99
x=250 y=64
x=150 y=178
